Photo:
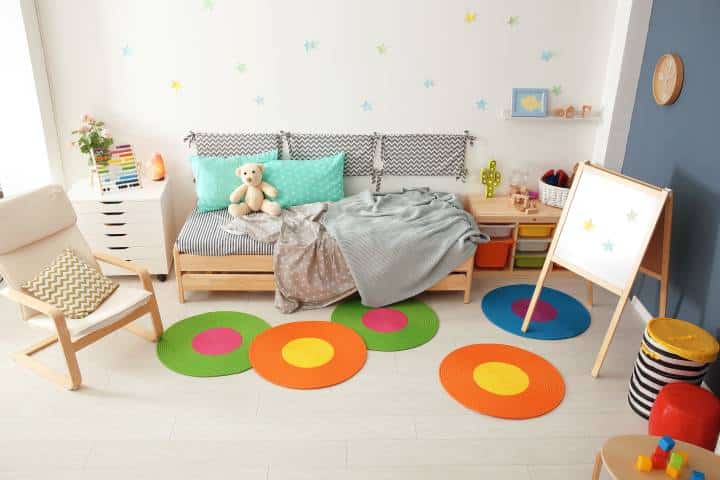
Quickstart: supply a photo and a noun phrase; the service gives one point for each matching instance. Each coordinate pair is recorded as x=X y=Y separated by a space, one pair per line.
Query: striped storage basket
x=671 y=351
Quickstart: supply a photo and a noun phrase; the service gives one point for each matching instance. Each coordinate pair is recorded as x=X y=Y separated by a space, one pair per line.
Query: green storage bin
x=529 y=260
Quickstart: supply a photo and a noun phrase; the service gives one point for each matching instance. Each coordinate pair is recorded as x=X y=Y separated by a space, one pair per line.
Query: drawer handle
x=113 y=213
x=118 y=248
x=116 y=234
x=114 y=224
x=111 y=202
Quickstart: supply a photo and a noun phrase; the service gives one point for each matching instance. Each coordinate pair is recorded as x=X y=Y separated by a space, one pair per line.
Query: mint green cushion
x=306 y=181
x=215 y=177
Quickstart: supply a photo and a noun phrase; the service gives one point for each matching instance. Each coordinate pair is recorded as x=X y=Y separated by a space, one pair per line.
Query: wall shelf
x=595 y=117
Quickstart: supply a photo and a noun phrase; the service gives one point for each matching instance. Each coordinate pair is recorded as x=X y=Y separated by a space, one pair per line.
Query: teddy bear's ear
x=238 y=171
x=261 y=167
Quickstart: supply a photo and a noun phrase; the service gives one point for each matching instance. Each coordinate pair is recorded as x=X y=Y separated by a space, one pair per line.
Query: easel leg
x=589 y=294
x=662 y=308
x=598 y=467
x=609 y=334
x=536 y=294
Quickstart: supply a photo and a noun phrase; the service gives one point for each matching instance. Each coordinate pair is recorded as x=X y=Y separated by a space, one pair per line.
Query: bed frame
x=254 y=273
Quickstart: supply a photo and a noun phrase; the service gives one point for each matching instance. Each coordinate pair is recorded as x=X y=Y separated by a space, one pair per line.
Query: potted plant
x=94 y=140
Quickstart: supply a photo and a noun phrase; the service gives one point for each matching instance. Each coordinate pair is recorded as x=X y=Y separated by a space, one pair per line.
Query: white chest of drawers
x=134 y=225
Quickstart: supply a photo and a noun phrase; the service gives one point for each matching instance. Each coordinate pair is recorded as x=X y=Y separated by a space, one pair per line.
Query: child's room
x=317 y=239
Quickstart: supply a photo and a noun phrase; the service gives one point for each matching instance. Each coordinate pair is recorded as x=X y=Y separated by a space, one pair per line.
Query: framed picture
x=529 y=102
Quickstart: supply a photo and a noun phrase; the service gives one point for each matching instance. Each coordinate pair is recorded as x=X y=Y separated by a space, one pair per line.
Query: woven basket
x=552 y=195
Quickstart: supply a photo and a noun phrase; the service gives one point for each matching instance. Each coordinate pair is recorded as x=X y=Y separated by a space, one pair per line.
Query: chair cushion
x=71 y=285
x=122 y=301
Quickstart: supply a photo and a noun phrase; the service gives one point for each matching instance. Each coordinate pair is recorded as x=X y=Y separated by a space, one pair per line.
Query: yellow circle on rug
x=501 y=378
x=307 y=352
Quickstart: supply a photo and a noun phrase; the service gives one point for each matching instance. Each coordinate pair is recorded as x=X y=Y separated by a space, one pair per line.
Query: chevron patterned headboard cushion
x=229 y=144
x=71 y=285
x=359 y=149
x=424 y=155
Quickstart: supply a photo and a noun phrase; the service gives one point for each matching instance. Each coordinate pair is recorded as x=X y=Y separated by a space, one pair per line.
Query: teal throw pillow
x=215 y=177
x=306 y=181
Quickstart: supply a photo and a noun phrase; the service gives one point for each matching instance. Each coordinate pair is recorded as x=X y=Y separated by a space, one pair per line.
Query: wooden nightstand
x=134 y=225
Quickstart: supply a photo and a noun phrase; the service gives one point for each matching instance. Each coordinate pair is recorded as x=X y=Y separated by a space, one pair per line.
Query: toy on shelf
x=586 y=111
x=525 y=202
x=643 y=463
x=117 y=169
x=570 y=112
x=158 y=167
x=491 y=178
x=697 y=475
x=558 y=112
x=666 y=443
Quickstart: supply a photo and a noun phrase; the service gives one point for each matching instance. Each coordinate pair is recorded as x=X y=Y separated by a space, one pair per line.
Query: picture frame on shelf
x=530 y=102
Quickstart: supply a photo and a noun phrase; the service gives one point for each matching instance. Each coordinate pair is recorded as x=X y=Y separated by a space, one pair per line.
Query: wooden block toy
x=676 y=461
x=659 y=462
x=684 y=455
x=697 y=475
x=660 y=452
x=672 y=472
x=666 y=443
x=643 y=463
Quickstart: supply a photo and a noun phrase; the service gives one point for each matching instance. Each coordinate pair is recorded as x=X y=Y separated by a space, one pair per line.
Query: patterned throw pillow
x=71 y=285
x=306 y=181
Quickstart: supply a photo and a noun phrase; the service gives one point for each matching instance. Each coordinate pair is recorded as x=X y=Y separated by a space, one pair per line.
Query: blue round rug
x=557 y=315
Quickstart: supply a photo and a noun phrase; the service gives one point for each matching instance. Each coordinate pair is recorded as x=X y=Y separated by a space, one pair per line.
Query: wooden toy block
x=672 y=472
x=676 y=461
x=666 y=443
x=697 y=475
x=660 y=452
x=659 y=462
x=643 y=463
x=684 y=456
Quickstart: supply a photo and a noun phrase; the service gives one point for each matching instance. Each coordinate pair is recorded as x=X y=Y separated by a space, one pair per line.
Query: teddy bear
x=254 y=191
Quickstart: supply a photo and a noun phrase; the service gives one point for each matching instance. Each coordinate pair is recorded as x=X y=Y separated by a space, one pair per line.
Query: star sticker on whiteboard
x=608 y=246
x=588 y=225
x=631 y=215
x=176 y=85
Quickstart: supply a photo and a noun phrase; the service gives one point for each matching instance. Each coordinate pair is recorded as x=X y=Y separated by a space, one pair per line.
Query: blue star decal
x=608 y=246
x=310 y=45
x=127 y=51
x=546 y=55
x=366 y=106
x=481 y=104
x=429 y=83
x=259 y=101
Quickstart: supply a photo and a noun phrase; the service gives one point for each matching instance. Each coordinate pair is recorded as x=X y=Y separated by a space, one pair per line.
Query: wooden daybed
x=254 y=273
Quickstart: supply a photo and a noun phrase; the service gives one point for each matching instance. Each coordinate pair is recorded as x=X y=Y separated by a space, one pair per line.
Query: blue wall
x=679 y=146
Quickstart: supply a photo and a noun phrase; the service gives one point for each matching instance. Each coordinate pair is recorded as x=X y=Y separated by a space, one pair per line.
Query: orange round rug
x=502 y=381
x=312 y=354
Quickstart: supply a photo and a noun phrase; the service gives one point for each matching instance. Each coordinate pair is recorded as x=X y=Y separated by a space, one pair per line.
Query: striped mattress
x=202 y=235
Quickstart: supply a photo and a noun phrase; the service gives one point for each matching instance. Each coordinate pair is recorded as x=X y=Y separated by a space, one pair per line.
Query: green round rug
x=210 y=344
x=400 y=326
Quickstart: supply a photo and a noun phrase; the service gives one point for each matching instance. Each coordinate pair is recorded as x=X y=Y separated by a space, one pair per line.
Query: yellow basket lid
x=684 y=339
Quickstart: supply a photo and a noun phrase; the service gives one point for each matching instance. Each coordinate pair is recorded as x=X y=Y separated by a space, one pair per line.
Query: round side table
x=618 y=454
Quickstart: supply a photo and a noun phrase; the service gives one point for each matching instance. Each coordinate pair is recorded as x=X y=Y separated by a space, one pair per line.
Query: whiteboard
x=608 y=224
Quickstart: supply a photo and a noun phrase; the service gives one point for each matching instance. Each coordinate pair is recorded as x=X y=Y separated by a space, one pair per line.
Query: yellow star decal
x=588 y=225
x=470 y=17
x=175 y=85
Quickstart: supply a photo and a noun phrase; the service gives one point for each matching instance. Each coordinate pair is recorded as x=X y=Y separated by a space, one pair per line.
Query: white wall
x=322 y=91
x=30 y=154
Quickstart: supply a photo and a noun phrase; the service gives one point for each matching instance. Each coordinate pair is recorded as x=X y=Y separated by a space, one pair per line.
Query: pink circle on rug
x=217 y=341
x=384 y=320
x=544 y=312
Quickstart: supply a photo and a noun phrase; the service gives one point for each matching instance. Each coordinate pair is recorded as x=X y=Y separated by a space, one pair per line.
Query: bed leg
x=178 y=275
x=468 y=286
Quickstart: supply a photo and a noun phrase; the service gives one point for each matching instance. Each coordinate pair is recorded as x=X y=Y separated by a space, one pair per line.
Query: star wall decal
x=259 y=101
x=366 y=106
x=556 y=89
x=546 y=55
x=381 y=49
x=588 y=225
x=631 y=215
x=126 y=50
x=240 y=67
x=208 y=4
x=608 y=246
x=429 y=83
x=176 y=85
x=470 y=17
x=310 y=45
x=481 y=104
x=513 y=20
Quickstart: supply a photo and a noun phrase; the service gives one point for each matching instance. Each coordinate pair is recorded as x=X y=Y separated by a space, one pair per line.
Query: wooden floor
x=136 y=419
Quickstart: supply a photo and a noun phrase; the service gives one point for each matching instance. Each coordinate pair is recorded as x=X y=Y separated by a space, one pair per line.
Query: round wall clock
x=668 y=79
